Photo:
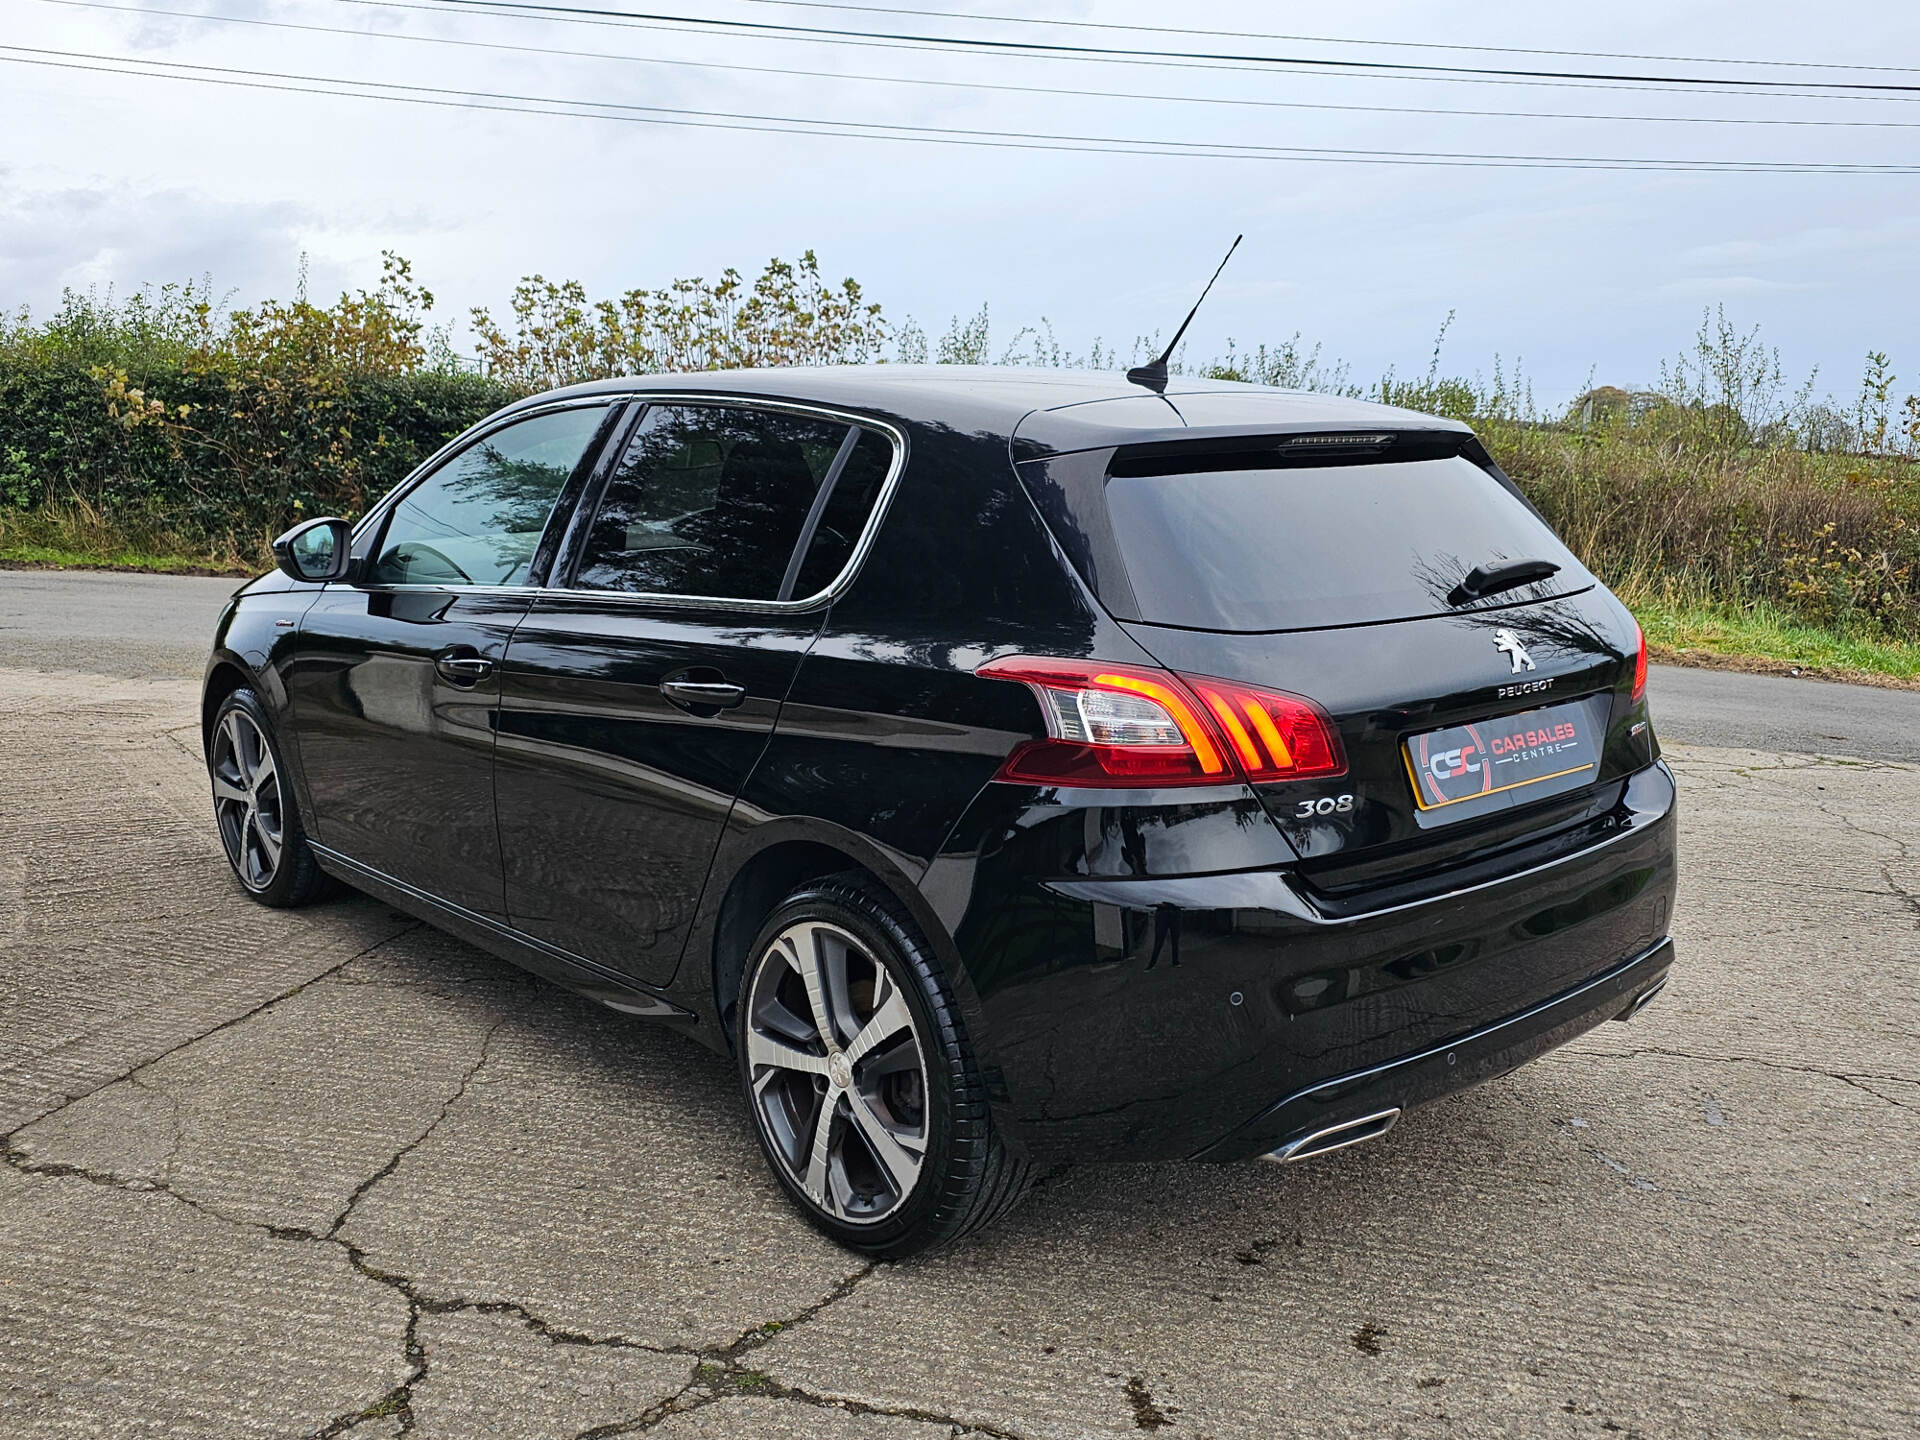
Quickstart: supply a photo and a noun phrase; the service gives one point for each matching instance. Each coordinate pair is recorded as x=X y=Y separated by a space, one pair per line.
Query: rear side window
x=1290 y=548
x=845 y=514
x=478 y=518
x=712 y=501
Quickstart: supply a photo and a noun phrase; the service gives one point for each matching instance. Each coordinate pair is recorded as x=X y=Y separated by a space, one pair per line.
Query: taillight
x=1118 y=725
x=1640 y=664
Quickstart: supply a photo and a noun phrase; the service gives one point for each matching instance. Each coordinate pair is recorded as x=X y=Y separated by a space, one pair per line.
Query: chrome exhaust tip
x=1336 y=1137
x=1640 y=1002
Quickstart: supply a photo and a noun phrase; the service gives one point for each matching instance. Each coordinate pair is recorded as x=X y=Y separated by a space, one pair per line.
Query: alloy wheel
x=837 y=1072
x=247 y=799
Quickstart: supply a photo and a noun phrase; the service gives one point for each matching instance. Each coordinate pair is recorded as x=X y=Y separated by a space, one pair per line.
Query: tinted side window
x=846 y=512
x=708 y=500
x=477 y=519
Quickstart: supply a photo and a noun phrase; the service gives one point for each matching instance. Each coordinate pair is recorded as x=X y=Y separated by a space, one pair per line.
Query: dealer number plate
x=1471 y=769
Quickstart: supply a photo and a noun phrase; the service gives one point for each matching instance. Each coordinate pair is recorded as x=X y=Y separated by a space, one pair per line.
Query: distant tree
x=789 y=315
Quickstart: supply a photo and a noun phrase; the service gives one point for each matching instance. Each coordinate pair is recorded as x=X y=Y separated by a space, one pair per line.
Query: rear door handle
x=463 y=669
x=703 y=694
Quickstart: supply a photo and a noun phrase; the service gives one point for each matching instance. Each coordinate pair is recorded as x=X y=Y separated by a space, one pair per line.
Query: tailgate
x=1401 y=692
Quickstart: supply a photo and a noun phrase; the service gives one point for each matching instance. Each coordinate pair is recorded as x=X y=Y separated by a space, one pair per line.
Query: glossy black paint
x=397 y=754
x=566 y=813
x=611 y=796
x=1077 y=965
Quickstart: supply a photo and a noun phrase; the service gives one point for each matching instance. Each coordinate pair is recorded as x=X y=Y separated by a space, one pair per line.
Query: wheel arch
x=226 y=673
x=779 y=863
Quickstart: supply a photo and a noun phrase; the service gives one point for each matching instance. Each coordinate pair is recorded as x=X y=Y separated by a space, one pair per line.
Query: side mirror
x=316 y=551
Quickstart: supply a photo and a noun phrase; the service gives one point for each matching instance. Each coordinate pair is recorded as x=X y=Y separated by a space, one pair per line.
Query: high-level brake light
x=1127 y=725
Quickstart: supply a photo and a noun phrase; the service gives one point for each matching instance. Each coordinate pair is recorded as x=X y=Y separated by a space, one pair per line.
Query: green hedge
x=217 y=456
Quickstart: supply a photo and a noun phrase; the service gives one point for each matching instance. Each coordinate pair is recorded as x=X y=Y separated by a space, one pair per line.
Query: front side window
x=478 y=518
x=711 y=500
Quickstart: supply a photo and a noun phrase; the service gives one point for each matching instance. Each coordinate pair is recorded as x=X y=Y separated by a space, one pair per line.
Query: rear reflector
x=1121 y=725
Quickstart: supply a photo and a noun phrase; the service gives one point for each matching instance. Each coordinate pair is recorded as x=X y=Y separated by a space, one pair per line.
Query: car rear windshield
x=1285 y=548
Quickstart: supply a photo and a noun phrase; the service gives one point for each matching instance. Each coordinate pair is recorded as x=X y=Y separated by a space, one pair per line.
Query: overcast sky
x=115 y=178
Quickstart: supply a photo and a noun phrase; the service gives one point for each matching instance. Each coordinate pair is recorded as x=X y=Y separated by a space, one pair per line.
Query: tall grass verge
x=72 y=534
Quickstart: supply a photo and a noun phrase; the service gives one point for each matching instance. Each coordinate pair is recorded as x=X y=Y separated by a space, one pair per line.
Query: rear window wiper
x=1484 y=580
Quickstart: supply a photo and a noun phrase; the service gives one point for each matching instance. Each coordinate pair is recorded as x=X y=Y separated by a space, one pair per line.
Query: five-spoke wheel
x=837 y=1072
x=254 y=806
x=855 y=1065
x=246 y=799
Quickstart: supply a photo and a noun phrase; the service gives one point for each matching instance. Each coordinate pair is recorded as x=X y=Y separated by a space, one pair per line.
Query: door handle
x=464 y=670
x=703 y=694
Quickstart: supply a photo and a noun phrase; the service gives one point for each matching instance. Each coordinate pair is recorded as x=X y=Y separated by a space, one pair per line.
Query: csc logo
x=1450 y=763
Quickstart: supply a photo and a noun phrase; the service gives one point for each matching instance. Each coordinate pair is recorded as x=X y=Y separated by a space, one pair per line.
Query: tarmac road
x=329 y=1172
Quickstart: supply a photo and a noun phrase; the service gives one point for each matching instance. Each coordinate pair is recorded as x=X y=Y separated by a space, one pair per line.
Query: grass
x=77 y=537
x=53 y=557
x=1762 y=639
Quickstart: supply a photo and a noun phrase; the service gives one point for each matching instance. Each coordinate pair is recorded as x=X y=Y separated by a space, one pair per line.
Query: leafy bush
x=1833 y=540
x=166 y=412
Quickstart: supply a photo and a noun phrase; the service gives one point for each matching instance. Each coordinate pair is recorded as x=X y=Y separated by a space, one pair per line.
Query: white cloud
x=112 y=233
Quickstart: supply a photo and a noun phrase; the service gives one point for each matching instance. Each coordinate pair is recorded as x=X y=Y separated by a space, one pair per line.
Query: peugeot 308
x=1001 y=767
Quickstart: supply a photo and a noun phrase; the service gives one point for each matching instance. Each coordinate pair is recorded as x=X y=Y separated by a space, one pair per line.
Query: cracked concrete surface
x=332 y=1173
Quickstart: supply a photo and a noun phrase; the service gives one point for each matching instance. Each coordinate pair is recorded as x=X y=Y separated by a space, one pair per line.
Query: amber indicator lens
x=1127 y=725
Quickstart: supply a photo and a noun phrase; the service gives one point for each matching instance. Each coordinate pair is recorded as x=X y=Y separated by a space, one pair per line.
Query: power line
x=1328 y=39
x=839 y=41
x=344 y=87
x=1072 y=51
x=1002 y=88
x=1337 y=39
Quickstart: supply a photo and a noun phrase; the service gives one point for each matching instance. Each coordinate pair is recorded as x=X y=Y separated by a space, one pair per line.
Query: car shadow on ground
x=580 y=1068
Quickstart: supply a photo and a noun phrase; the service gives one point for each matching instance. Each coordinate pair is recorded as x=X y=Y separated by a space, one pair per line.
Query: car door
x=636 y=698
x=394 y=679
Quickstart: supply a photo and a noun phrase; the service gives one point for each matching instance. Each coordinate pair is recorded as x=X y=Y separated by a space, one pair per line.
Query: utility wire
x=350 y=88
x=1074 y=51
x=969 y=15
x=614 y=20
x=507 y=47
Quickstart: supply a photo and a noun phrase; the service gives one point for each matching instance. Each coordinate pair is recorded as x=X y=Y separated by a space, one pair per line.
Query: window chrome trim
x=832 y=591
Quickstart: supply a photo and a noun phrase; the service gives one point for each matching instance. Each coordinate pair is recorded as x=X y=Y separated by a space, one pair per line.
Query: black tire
x=967 y=1177
x=295 y=876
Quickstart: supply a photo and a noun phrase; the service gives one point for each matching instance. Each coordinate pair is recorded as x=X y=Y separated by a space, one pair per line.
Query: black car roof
x=1038 y=411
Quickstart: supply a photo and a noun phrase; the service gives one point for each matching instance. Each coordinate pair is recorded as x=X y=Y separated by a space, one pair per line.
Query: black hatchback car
x=1003 y=767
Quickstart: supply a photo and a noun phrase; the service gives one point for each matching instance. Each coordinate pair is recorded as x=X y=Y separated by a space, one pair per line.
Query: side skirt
x=563 y=967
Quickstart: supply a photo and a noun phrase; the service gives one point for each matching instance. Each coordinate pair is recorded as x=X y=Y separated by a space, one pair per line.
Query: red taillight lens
x=1273 y=736
x=1640 y=665
x=1117 y=725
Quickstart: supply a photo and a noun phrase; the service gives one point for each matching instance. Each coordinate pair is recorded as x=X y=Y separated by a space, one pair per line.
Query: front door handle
x=462 y=668
x=703 y=694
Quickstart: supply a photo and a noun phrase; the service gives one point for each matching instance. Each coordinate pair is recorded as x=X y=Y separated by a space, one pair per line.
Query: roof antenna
x=1153 y=374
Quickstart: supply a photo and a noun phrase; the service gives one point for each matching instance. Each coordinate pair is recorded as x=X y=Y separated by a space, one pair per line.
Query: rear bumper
x=1456 y=1065
x=1223 y=1014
